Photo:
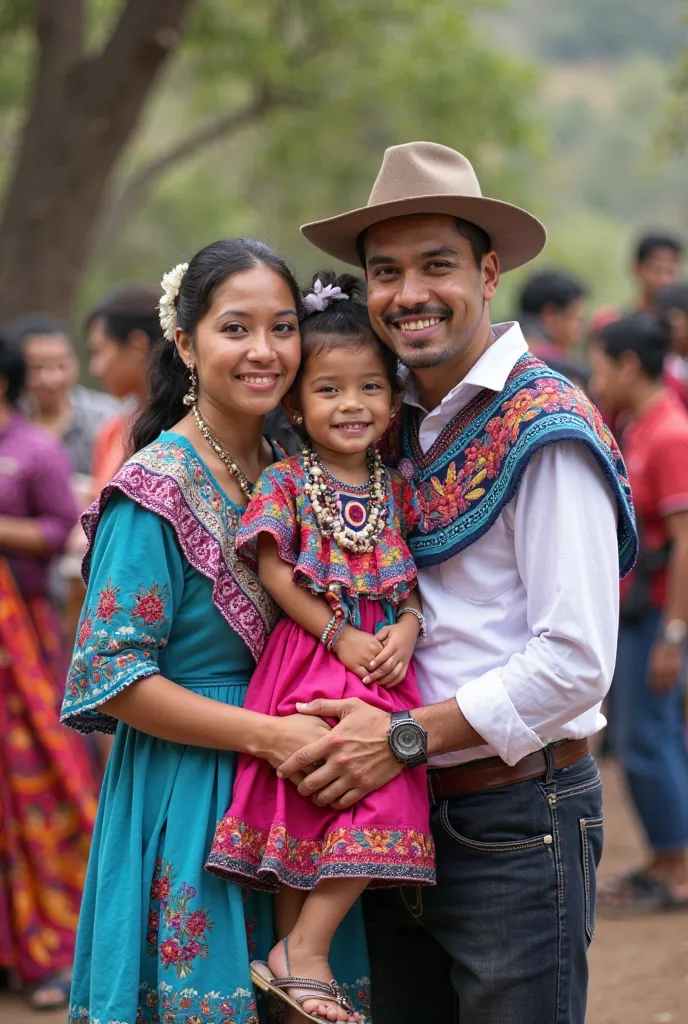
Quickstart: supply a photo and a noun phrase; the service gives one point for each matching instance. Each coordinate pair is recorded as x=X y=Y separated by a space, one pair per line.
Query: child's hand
x=398 y=643
x=357 y=650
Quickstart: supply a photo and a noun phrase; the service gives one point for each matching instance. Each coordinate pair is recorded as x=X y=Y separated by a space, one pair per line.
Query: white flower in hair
x=170 y=284
x=322 y=295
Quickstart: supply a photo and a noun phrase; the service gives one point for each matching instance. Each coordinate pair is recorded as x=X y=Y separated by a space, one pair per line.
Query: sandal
x=636 y=893
x=61 y=984
x=264 y=979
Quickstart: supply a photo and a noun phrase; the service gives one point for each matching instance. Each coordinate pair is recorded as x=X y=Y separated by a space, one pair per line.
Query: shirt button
x=548 y=840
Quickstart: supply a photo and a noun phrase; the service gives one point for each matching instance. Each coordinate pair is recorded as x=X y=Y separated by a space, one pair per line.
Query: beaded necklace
x=327 y=504
x=229 y=460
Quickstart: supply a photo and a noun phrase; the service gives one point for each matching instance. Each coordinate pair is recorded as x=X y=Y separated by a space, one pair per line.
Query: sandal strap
x=330 y=989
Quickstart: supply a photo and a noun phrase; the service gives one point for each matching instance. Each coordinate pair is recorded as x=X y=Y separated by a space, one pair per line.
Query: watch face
x=408 y=741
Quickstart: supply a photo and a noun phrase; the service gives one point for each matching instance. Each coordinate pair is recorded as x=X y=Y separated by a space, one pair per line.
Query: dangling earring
x=191 y=397
x=298 y=419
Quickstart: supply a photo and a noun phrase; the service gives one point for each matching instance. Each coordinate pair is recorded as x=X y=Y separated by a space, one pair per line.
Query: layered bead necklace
x=327 y=504
x=229 y=461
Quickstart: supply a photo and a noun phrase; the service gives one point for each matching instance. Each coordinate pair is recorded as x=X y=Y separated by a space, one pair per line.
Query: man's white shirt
x=522 y=625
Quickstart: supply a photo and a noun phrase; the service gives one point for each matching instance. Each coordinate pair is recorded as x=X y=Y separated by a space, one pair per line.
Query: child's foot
x=308 y=964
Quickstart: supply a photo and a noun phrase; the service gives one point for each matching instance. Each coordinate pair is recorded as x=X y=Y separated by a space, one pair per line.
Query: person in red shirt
x=627 y=359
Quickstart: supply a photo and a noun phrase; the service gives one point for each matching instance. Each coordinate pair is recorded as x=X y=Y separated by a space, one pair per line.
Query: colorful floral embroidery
x=108 y=605
x=150 y=604
x=117 y=639
x=264 y=859
x=474 y=467
x=189 y=928
x=280 y=507
x=167 y=1005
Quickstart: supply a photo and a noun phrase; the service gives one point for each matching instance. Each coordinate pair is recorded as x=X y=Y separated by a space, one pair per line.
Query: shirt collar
x=491 y=370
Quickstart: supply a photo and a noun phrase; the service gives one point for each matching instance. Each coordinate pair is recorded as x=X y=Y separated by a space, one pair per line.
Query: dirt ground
x=639 y=968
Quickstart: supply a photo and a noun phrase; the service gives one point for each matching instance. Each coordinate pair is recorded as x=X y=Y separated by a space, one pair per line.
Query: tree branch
x=60 y=35
x=146 y=32
x=135 y=190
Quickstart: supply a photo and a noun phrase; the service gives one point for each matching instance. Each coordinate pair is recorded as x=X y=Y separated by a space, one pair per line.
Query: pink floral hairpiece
x=322 y=296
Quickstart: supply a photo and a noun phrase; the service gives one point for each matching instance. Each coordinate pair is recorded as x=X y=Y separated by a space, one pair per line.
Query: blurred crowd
x=61 y=442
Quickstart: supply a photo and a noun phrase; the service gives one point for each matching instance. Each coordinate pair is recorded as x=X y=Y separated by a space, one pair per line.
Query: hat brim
x=516 y=236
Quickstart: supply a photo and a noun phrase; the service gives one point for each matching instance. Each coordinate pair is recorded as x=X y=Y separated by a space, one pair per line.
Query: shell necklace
x=327 y=505
x=229 y=460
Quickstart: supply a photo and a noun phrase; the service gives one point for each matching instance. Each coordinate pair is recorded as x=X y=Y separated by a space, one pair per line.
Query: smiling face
x=427 y=297
x=247 y=347
x=344 y=396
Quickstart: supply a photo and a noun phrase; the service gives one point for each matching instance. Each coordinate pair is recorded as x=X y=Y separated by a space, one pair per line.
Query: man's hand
x=666 y=665
x=287 y=736
x=356 y=753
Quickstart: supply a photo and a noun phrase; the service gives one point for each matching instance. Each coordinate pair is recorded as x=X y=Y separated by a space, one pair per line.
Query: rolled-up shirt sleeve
x=564 y=522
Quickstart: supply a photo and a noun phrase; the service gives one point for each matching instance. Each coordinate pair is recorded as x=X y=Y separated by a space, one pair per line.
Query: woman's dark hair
x=345 y=323
x=12 y=369
x=128 y=309
x=168 y=378
x=646 y=336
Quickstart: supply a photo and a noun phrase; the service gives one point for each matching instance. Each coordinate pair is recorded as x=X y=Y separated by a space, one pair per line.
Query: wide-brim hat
x=424 y=177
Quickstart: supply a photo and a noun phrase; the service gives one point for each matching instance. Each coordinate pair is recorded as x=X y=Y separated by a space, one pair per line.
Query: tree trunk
x=81 y=115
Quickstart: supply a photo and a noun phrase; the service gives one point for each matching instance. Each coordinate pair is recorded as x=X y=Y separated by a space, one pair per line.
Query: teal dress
x=160 y=939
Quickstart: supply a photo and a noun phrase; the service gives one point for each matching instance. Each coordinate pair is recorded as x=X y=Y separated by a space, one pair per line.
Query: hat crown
x=423 y=169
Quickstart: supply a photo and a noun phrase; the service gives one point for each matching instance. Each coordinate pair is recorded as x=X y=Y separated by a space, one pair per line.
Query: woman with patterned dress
x=172 y=626
x=47 y=783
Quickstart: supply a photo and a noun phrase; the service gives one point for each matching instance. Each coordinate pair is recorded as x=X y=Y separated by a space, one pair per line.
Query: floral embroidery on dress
x=189 y=927
x=168 y=479
x=279 y=506
x=117 y=639
x=267 y=858
x=108 y=605
x=167 y=1005
x=150 y=604
x=474 y=467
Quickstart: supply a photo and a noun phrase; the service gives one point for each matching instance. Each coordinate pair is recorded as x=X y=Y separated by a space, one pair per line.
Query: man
x=650 y=681
x=552 y=318
x=656 y=265
x=54 y=399
x=526 y=524
x=672 y=306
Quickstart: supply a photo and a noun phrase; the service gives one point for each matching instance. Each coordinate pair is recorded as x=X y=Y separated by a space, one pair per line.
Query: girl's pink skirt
x=271 y=836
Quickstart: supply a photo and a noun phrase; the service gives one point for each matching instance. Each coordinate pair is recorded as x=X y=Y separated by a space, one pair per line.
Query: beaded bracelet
x=335 y=636
x=422 y=631
x=332 y=630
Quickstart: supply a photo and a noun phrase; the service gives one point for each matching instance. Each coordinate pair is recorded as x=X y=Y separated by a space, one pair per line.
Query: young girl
x=328 y=527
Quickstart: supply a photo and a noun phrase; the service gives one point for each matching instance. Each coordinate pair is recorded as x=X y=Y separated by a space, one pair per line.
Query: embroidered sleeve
x=272 y=509
x=135 y=582
x=407 y=503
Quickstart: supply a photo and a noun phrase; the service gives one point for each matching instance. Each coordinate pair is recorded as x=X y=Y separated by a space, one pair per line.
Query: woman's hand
x=398 y=644
x=357 y=650
x=284 y=736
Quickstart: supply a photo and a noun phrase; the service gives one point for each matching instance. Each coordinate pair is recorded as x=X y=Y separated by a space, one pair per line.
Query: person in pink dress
x=328 y=531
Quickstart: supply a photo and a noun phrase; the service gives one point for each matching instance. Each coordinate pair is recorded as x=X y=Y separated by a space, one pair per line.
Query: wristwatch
x=407 y=740
x=675 y=633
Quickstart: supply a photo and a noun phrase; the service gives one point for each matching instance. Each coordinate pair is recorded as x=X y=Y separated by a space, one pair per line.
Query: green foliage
x=345 y=81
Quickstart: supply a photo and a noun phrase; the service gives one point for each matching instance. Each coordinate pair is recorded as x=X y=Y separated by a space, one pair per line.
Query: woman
x=47 y=791
x=171 y=628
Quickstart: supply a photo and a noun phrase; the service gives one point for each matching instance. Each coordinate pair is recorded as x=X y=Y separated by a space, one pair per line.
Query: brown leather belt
x=493 y=773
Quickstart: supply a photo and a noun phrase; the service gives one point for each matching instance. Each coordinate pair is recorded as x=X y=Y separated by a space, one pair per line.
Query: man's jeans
x=503 y=937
